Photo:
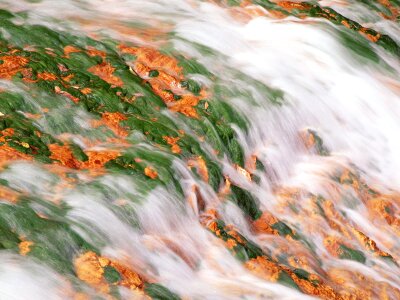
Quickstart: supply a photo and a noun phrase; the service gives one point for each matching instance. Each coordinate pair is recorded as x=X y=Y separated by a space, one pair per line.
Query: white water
x=353 y=105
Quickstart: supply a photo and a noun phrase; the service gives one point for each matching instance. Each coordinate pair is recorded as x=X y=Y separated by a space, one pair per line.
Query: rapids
x=312 y=106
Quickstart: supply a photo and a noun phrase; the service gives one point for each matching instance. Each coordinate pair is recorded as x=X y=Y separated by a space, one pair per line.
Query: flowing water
x=189 y=149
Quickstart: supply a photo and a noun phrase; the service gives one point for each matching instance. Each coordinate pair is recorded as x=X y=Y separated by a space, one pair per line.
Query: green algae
x=159 y=292
x=146 y=114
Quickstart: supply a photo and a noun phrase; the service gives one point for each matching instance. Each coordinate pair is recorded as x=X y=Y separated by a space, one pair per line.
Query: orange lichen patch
x=47 y=76
x=337 y=222
x=271 y=271
x=243 y=172
x=8 y=154
x=95 y=52
x=231 y=230
x=27 y=74
x=231 y=243
x=96 y=159
x=25 y=247
x=161 y=83
x=319 y=289
x=112 y=120
x=66 y=94
x=153 y=59
x=130 y=279
x=395 y=11
x=86 y=91
x=167 y=83
x=363 y=191
x=372 y=38
x=173 y=142
x=68 y=77
x=64 y=155
x=333 y=245
x=8 y=194
x=382 y=208
x=334 y=219
x=150 y=172
x=264 y=223
x=289 y=5
x=70 y=49
x=356 y=285
x=6 y=133
x=12 y=65
x=89 y=268
x=208 y=219
x=201 y=166
x=105 y=71
x=345 y=23
x=263 y=268
x=186 y=106
x=369 y=244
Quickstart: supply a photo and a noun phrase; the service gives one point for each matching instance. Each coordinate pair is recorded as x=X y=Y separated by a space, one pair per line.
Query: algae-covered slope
x=128 y=166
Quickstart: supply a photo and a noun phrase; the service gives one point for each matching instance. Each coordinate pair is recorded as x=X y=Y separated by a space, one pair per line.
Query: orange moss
x=186 y=106
x=264 y=224
x=168 y=79
x=64 y=155
x=369 y=244
x=332 y=244
x=153 y=59
x=112 y=121
x=105 y=71
x=25 y=247
x=289 y=6
x=372 y=38
x=8 y=194
x=263 y=268
x=243 y=172
x=70 y=49
x=173 y=142
x=68 y=77
x=11 y=65
x=66 y=94
x=8 y=154
x=47 y=76
x=95 y=52
x=96 y=159
x=150 y=172
x=382 y=208
x=89 y=268
x=86 y=91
